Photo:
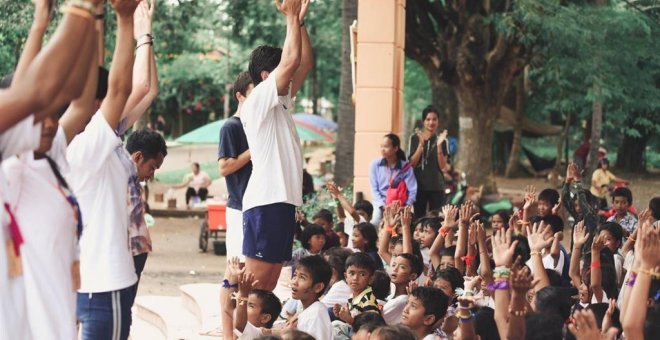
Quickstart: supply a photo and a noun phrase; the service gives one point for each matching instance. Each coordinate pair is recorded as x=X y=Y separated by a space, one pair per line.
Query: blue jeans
x=105 y=316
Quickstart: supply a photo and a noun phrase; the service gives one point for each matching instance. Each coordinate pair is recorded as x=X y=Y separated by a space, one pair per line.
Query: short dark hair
x=325 y=215
x=368 y=321
x=242 y=83
x=430 y=109
x=434 y=301
x=396 y=142
x=263 y=58
x=270 y=304
x=451 y=275
x=370 y=234
x=365 y=206
x=308 y=232
x=394 y=332
x=380 y=284
x=361 y=260
x=433 y=223
x=543 y=326
x=147 y=141
x=555 y=300
x=614 y=228
x=654 y=205
x=484 y=323
x=319 y=268
x=415 y=263
x=555 y=222
x=623 y=192
x=522 y=248
x=549 y=195
x=337 y=257
x=449 y=251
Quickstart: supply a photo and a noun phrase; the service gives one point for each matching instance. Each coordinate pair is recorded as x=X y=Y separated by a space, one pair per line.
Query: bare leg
x=267 y=273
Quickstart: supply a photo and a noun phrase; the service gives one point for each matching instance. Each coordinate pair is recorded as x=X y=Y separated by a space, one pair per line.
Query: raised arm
x=291 y=51
x=343 y=201
x=406 y=233
x=580 y=236
x=485 y=271
x=536 y=244
x=521 y=283
x=451 y=213
x=596 y=274
x=35 y=38
x=442 y=159
x=121 y=71
x=145 y=75
x=386 y=233
x=530 y=199
x=461 y=243
x=307 y=54
x=50 y=68
x=503 y=256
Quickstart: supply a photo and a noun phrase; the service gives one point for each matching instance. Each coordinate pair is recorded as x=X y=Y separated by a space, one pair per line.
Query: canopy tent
x=210 y=134
x=315 y=121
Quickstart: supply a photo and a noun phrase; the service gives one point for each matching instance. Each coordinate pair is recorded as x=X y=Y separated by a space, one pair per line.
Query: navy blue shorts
x=268 y=232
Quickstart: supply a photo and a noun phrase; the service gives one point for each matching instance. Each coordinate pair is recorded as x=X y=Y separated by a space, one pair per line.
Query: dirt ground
x=177 y=260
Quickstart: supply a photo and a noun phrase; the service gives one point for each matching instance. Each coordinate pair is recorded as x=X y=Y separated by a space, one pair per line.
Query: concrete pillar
x=379 y=89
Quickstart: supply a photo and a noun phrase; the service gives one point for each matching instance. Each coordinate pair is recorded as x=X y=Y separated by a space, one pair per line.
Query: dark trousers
x=104 y=316
x=427 y=200
x=202 y=193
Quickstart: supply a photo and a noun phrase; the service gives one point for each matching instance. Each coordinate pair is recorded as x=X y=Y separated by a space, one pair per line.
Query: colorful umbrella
x=315 y=121
x=210 y=134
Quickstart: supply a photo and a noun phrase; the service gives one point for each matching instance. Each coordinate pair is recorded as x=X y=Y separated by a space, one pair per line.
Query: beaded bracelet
x=522 y=312
x=649 y=272
x=502 y=273
x=227 y=285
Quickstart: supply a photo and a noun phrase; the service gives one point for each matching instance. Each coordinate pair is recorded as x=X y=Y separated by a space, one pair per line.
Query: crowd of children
x=455 y=274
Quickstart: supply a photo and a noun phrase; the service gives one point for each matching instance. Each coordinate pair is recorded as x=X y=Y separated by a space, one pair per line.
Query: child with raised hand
x=308 y=283
x=426 y=306
x=391 y=217
x=406 y=268
x=359 y=270
x=359 y=213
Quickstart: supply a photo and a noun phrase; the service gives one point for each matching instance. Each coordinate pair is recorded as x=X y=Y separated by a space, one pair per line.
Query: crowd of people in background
x=405 y=265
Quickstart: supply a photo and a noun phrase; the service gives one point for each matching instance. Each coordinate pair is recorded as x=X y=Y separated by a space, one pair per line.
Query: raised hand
x=572 y=173
x=246 y=284
x=303 y=10
x=125 y=8
x=586 y=328
x=580 y=234
x=143 y=18
x=598 y=244
x=234 y=269
x=607 y=319
x=503 y=247
x=465 y=214
x=648 y=245
x=530 y=197
x=333 y=189
x=555 y=209
x=521 y=280
x=441 y=138
x=406 y=217
x=472 y=233
x=535 y=237
x=289 y=7
x=450 y=212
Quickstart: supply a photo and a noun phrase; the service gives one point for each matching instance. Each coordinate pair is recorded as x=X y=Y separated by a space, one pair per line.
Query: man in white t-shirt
x=275 y=186
x=99 y=174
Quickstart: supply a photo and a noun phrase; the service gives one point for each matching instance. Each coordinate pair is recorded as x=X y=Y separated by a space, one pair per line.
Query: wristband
x=444 y=231
x=595 y=264
x=227 y=285
x=499 y=284
x=631 y=279
x=502 y=273
x=469 y=259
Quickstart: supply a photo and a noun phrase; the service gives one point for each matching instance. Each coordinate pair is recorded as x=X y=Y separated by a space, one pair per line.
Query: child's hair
x=449 y=251
x=654 y=205
x=396 y=332
x=368 y=321
x=270 y=304
x=380 y=284
x=451 y=275
x=365 y=206
x=433 y=223
x=549 y=195
x=337 y=257
x=543 y=326
x=362 y=261
x=415 y=263
x=324 y=214
x=608 y=273
x=370 y=235
x=553 y=277
x=434 y=301
x=522 y=248
x=555 y=300
x=294 y=334
x=623 y=192
x=339 y=228
x=396 y=142
x=319 y=269
x=555 y=222
x=484 y=323
x=308 y=232
x=613 y=228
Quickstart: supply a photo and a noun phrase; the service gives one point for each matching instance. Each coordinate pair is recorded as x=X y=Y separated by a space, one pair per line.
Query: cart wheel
x=204 y=237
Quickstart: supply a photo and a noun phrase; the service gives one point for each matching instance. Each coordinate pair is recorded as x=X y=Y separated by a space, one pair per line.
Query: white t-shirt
x=99 y=176
x=274 y=147
x=549 y=263
x=315 y=321
x=393 y=309
x=339 y=293
x=201 y=180
x=23 y=136
x=250 y=332
x=50 y=244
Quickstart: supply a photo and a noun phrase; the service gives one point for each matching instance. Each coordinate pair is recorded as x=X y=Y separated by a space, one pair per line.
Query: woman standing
x=384 y=170
x=428 y=156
